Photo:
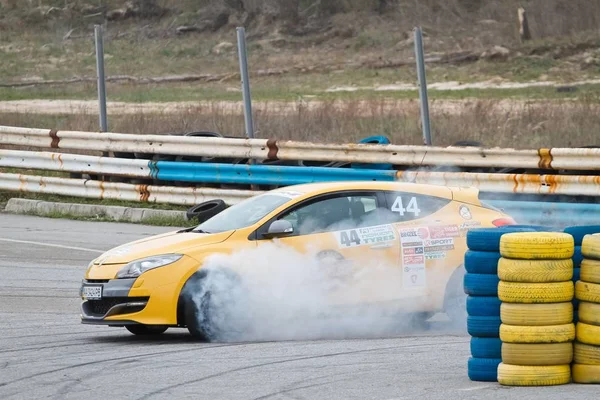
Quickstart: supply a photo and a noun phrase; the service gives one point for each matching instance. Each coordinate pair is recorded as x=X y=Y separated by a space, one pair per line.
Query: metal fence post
x=241 y=39
x=419 y=55
x=101 y=81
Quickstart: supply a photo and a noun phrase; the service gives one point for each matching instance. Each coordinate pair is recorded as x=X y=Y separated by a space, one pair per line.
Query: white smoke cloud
x=277 y=293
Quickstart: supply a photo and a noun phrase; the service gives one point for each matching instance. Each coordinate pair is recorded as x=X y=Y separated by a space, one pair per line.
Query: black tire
x=203 y=294
x=482 y=262
x=488 y=239
x=483 y=326
x=146 y=329
x=116 y=154
x=209 y=159
x=578 y=232
x=483 y=369
x=481 y=284
x=205 y=210
x=483 y=306
x=324 y=164
x=577 y=257
x=289 y=163
x=486 y=347
x=418 y=320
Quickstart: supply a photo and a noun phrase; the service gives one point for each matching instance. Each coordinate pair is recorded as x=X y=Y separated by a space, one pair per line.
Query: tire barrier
x=536 y=312
x=488 y=239
x=578 y=233
x=527 y=375
x=586 y=357
x=483 y=305
x=541 y=246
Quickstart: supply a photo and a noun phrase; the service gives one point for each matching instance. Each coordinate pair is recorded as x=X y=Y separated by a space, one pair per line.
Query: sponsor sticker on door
x=365 y=236
x=445 y=231
x=413 y=259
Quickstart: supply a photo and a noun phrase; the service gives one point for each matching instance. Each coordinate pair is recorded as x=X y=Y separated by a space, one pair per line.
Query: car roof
x=326 y=187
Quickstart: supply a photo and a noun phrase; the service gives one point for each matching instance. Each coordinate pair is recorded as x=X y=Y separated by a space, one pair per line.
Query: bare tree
x=523 y=25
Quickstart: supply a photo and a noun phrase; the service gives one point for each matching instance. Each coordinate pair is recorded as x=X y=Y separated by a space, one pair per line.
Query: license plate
x=92 y=292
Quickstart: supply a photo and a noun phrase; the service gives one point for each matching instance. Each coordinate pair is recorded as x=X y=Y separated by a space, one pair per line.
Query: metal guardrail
x=404 y=157
x=262 y=174
x=569 y=185
x=75 y=163
x=286 y=175
x=527 y=212
x=548 y=159
x=118 y=191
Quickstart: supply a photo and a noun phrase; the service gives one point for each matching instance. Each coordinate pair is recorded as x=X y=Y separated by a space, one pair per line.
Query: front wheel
x=146 y=329
x=215 y=305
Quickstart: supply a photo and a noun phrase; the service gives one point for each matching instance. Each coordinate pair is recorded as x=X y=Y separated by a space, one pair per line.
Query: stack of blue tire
x=578 y=232
x=483 y=305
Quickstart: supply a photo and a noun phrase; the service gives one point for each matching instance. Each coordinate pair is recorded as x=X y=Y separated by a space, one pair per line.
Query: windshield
x=243 y=214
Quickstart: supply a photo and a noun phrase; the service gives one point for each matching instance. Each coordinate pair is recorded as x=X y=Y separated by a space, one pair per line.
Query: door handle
x=381 y=246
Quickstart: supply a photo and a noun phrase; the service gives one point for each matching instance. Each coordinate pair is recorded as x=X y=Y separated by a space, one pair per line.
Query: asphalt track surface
x=46 y=353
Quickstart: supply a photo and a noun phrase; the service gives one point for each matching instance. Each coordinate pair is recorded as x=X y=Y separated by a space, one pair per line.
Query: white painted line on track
x=474 y=388
x=60 y=246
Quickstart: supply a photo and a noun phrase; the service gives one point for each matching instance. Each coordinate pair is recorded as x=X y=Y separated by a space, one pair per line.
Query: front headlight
x=138 y=267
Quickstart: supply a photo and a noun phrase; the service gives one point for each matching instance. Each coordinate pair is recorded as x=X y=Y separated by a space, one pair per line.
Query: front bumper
x=115 y=301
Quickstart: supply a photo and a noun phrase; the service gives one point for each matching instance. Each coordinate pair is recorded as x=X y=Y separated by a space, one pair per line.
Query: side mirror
x=279 y=228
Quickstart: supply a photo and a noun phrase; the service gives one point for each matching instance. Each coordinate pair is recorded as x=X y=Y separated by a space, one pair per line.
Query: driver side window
x=333 y=214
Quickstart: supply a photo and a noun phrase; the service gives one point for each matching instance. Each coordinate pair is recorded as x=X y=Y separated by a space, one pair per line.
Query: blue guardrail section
x=261 y=174
x=527 y=212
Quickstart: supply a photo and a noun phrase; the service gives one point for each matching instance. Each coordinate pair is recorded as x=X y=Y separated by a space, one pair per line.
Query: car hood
x=171 y=242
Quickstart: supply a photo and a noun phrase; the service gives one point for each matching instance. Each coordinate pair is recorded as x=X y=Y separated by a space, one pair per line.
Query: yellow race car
x=418 y=232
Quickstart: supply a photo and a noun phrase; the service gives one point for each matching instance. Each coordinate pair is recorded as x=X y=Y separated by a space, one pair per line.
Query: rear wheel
x=418 y=320
x=146 y=329
x=455 y=299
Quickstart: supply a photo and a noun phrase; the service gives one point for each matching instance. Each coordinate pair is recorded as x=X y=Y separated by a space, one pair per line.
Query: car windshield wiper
x=193 y=229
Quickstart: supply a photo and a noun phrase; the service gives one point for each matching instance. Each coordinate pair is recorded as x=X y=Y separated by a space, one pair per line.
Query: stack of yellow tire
x=536 y=312
x=586 y=366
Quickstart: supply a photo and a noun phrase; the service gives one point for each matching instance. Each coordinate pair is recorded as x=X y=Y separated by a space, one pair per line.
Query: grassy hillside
x=53 y=39
x=306 y=50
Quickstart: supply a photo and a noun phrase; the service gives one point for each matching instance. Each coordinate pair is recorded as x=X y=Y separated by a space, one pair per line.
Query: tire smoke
x=274 y=292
